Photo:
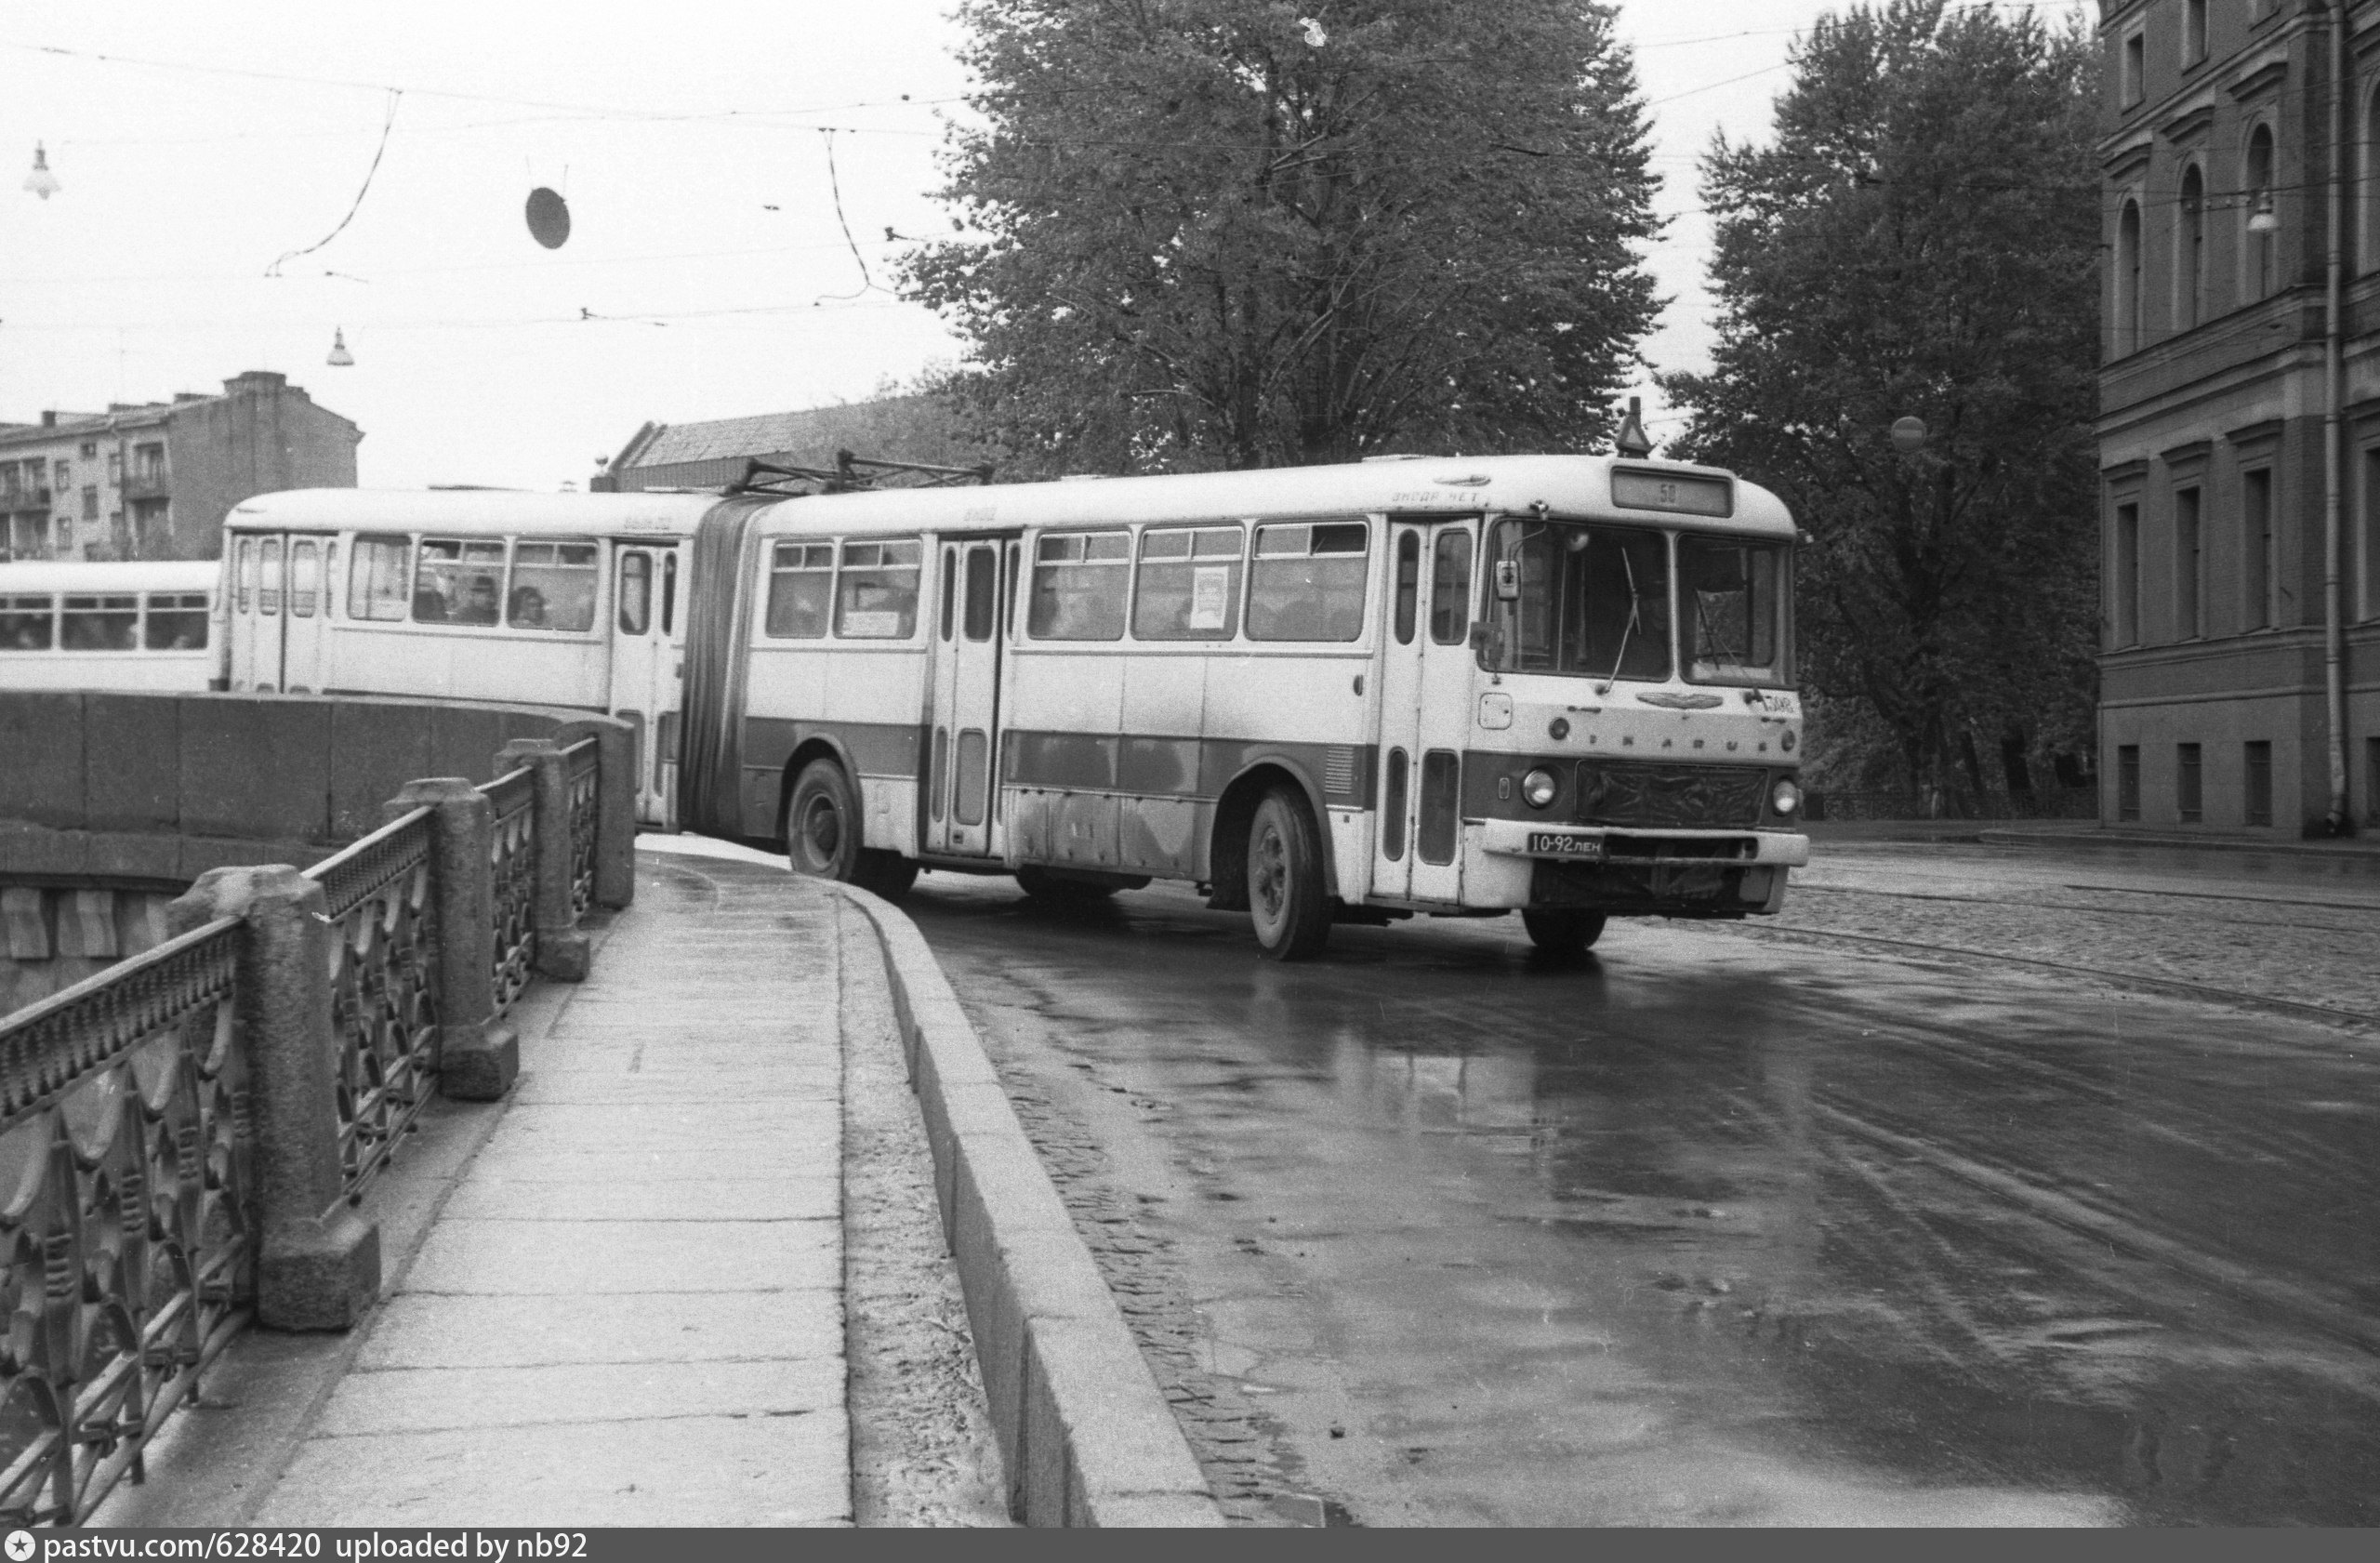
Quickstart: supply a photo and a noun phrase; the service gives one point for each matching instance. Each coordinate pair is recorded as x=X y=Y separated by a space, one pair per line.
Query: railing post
x=479 y=1056
x=562 y=948
x=318 y=1263
x=615 y=823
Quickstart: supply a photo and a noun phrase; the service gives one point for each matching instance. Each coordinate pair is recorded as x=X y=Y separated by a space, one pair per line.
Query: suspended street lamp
x=2264 y=219
x=340 y=358
x=41 y=181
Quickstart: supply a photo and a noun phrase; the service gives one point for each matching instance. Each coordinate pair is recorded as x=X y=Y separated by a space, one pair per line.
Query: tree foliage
x=1194 y=236
x=1920 y=238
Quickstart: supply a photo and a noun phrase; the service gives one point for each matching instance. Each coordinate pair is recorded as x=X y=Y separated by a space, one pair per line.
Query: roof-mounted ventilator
x=852 y=474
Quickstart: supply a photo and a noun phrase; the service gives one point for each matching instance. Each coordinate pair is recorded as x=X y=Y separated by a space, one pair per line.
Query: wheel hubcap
x=823 y=828
x=1271 y=875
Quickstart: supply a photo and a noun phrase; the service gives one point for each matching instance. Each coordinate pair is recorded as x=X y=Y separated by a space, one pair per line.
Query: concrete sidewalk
x=616 y=1299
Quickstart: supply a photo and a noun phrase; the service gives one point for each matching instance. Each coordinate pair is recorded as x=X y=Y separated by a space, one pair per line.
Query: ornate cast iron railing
x=130 y=1225
x=512 y=868
x=586 y=793
x=384 y=988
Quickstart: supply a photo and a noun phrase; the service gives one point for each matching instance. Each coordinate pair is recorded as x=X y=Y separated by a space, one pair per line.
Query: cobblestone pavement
x=2305 y=932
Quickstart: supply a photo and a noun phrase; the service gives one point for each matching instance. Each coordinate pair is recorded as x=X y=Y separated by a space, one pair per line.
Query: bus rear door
x=960 y=818
x=280 y=611
x=1425 y=710
x=648 y=629
x=306 y=611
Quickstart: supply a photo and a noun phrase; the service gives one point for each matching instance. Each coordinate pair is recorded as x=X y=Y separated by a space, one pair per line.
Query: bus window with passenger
x=27 y=623
x=99 y=623
x=1308 y=581
x=802 y=586
x=175 y=621
x=553 y=587
x=457 y=581
x=1079 y=582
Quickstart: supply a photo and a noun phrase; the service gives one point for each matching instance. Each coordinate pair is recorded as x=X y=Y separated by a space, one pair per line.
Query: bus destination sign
x=1680 y=492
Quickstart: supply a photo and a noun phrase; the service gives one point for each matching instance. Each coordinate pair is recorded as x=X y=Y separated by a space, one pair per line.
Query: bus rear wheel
x=822 y=835
x=1285 y=891
x=1567 y=934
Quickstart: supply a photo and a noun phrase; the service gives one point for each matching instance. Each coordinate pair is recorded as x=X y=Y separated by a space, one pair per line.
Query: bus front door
x=647 y=631
x=306 y=611
x=1425 y=682
x=959 y=818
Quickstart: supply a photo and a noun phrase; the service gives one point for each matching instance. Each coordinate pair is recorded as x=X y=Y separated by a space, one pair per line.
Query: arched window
x=2260 y=273
x=2189 y=256
x=2127 y=309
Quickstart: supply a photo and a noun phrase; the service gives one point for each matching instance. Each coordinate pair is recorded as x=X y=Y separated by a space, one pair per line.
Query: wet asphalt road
x=1708 y=1229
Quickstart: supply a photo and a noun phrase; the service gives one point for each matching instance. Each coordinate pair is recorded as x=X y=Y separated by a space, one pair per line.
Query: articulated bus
x=1561 y=686
x=71 y=625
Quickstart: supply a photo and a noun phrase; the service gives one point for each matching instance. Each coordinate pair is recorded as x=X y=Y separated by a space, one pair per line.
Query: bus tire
x=1285 y=891
x=1564 y=933
x=822 y=836
x=885 y=873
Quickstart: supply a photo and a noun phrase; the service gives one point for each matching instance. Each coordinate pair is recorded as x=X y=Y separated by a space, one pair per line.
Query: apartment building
x=2239 y=414
x=153 y=480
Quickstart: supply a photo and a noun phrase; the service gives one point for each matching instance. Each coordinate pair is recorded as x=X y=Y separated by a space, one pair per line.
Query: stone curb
x=1085 y=1433
x=2350 y=848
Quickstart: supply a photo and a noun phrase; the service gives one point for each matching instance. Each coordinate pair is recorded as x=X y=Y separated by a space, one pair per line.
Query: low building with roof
x=717 y=452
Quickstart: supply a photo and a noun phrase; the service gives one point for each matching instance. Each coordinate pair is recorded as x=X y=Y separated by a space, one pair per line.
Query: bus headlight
x=1539 y=786
x=1785 y=798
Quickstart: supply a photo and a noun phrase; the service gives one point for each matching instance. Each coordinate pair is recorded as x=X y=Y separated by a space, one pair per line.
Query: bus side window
x=1450 y=588
x=375 y=579
x=26 y=624
x=247 y=574
x=876 y=595
x=553 y=587
x=1189 y=585
x=982 y=570
x=176 y=621
x=1409 y=588
x=802 y=584
x=949 y=588
x=636 y=592
x=1079 y=586
x=101 y=624
x=668 y=594
x=305 y=570
x=1308 y=581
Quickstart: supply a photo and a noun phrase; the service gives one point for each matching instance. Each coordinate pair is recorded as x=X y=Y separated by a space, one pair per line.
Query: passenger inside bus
x=527 y=609
x=478 y=601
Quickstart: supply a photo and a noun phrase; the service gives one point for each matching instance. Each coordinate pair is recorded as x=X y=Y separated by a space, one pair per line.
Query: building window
x=90 y=503
x=2257 y=548
x=2189 y=567
x=2127 y=575
x=2135 y=68
x=2259 y=789
x=2188 y=797
x=2193 y=31
x=2370 y=552
x=90 y=450
x=148 y=466
x=2127 y=782
x=2189 y=258
x=2127 y=271
x=2261 y=273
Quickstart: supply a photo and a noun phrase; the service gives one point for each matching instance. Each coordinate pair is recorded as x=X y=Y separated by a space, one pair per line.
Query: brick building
x=153 y=480
x=2239 y=414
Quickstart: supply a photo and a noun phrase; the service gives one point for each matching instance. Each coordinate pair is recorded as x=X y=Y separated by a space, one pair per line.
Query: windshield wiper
x=1636 y=607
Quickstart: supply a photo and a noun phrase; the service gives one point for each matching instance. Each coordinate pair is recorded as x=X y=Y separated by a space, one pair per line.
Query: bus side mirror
x=1508 y=580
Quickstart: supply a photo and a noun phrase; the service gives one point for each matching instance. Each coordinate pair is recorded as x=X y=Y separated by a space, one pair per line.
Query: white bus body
x=139 y=625
x=1560 y=685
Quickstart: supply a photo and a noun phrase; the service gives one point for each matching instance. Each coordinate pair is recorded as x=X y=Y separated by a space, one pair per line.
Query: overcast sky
x=705 y=274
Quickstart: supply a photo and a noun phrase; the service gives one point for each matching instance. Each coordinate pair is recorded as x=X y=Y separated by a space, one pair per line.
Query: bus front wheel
x=1285 y=891
x=1566 y=934
x=822 y=835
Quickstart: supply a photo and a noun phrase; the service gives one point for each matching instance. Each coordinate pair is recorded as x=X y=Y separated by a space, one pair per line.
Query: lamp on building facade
x=2264 y=219
x=340 y=358
x=41 y=181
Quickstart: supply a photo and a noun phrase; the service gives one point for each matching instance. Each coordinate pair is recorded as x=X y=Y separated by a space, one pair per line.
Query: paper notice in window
x=871 y=626
x=1210 y=596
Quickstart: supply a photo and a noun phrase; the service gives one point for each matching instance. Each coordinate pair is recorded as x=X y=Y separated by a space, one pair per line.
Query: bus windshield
x=1733 y=599
x=1593 y=601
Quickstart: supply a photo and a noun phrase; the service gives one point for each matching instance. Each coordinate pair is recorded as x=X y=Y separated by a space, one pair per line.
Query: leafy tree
x=1206 y=233
x=1920 y=238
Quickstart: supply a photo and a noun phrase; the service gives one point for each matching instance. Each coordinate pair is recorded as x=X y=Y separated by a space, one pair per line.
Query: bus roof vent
x=1401 y=457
